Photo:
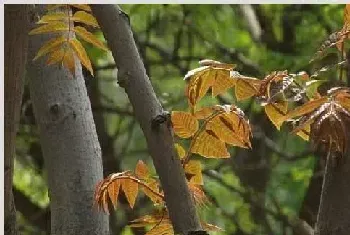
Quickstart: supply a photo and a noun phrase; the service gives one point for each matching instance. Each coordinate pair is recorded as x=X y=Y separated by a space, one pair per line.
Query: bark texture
x=132 y=76
x=16 y=44
x=69 y=143
x=334 y=211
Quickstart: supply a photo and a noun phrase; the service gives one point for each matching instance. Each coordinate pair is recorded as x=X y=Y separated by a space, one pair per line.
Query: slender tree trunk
x=16 y=43
x=334 y=211
x=69 y=143
x=150 y=114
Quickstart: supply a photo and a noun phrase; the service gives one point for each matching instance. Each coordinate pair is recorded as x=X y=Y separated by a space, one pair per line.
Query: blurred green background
x=253 y=192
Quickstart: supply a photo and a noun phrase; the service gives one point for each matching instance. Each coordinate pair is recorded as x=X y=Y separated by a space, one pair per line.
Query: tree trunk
x=69 y=143
x=334 y=211
x=150 y=114
x=16 y=45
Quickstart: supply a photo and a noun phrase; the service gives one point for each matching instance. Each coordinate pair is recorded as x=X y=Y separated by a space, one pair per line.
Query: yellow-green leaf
x=52 y=27
x=81 y=53
x=194 y=168
x=84 y=17
x=208 y=145
x=89 y=37
x=277 y=112
x=306 y=108
x=49 y=46
x=56 y=56
x=69 y=61
x=180 y=151
x=185 y=124
x=54 y=16
x=204 y=113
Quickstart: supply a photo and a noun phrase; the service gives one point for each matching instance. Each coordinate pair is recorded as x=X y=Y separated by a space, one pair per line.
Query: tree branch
x=147 y=109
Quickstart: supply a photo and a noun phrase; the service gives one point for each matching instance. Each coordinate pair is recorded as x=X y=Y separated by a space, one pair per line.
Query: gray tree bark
x=334 y=211
x=132 y=76
x=69 y=143
x=16 y=43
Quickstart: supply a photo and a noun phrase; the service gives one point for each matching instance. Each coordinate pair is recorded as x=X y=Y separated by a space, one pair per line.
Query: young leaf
x=81 y=53
x=86 y=18
x=185 y=124
x=180 y=151
x=246 y=87
x=56 y=56
x=89 y=37
x=130 y=189
x=231 y=128
x=49 y=46
x=52 y=27
x=199 y=196
x=204 y=113
x=200 y=80
x=216 y=148
x=277 y=112
x=113 y=191
x=154 y=185
x=69 y=61
x=141 y=170
x=194 y=168
x=306 y=108
x=222 y=83
x=55 y=16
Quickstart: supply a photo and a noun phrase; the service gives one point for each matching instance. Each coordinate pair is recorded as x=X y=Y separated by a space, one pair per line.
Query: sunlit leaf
x=89 y=37
x=141 y=170
x=276 y=112
x=54 y=16
x=246 y=87
x=312 y=86
x=154 y=185
x=56 y=56
x=180 y=151
x=200 y=80
x=130 y=189
x=306 y=108
x=69 y=61
x=231 y=128
x=204 y=113
x=216 y=148
x=194 y=168
x=211 y=227
x=81 y=53
x=113 y=191
x=185 y=124
x=84 y=17
x=198 y=194
x=50 y=46
x=52 y=27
